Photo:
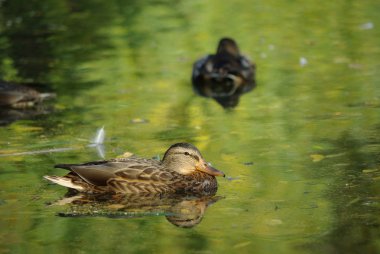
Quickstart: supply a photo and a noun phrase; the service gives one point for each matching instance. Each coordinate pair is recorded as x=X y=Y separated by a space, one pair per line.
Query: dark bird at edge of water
x=13 y=95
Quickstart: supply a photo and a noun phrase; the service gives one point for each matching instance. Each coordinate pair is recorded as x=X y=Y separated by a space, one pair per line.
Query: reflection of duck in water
x=225 y=75
x=182 y=170
x=19 y=96
x=189 y=212
x=9 y=115
x=179 y=209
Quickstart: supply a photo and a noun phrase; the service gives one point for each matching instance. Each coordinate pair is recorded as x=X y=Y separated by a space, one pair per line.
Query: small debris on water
x=139 y=120
x=303 y=61
x=355 y=66
x=367 y=26
x=229 y=178
x=263 y=55
x=241 y=245
x=274 y=222
x=317 y=157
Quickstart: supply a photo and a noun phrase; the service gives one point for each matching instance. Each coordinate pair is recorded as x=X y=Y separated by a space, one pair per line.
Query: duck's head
x=229 y=46
x=186 y=159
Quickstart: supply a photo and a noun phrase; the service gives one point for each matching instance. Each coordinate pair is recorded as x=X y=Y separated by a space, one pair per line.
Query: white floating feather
x=99 y=138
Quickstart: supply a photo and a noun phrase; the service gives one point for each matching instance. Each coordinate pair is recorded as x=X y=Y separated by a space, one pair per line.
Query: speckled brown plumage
x=182 y=170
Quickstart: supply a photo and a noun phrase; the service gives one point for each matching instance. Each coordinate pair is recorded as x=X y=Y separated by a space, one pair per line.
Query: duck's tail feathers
x=64 y=181
x=47 y=96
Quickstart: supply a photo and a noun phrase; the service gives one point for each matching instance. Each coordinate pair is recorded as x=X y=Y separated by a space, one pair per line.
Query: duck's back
x=131 y=175
x=20 y=96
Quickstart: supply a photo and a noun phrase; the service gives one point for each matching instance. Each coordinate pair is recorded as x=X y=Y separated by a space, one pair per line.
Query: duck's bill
x=211 y=171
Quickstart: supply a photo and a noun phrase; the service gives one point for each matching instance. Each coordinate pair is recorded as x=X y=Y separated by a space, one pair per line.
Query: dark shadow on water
x=49 y=41
x=46 y=41
x=185 y=211
x=8 y=116
x=355 y=196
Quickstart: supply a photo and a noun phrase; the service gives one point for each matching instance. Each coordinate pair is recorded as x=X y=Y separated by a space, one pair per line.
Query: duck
x=17 y=96
x=224 y=75
x=181 y=170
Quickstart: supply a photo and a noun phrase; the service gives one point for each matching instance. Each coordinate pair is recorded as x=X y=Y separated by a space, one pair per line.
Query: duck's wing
x=201 y=66
x=95 y=173
x=248 y=69
x=101 y=173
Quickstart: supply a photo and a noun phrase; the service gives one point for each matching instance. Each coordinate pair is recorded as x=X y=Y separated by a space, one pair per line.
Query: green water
x=301 y=150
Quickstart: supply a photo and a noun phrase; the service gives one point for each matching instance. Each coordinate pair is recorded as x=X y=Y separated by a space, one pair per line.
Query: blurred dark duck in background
x=19 y=96
x=224 y=76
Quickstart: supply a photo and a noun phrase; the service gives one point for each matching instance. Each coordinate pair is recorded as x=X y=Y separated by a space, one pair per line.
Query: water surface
x=301 y=150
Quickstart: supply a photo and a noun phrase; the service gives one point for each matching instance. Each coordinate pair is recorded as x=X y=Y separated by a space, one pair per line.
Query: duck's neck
x=175 y=166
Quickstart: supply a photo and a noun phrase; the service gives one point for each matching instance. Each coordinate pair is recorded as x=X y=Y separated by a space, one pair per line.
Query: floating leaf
x=241 y=245
x=139 y=120
x=317 y=157
x=274 y=222
x=366 y=171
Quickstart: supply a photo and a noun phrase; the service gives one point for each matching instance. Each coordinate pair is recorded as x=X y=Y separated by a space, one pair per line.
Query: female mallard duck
x=19 y=96
x=182 y=170
x=225 y=75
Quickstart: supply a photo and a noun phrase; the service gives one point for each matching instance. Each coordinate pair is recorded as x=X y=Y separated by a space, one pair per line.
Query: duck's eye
x=186 y=153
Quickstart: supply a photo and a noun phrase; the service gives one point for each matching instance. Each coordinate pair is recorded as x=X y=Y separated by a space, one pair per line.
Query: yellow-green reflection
x=302 y=148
